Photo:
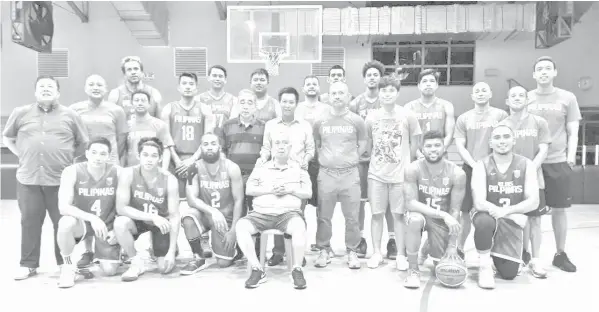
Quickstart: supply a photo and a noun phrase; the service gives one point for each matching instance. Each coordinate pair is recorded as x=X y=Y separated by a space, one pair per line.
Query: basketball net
x=272 y=55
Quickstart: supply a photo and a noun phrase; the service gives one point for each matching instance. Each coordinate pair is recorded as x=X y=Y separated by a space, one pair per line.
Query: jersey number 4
x=187 y=133
x=97 y=207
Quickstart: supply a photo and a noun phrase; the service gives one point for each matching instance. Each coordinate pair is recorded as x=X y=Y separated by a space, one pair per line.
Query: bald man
x=102 y=119
x=472 y=133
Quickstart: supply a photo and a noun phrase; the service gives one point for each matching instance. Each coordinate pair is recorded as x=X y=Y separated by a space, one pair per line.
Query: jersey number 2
x=187 y=133
x=97 y=207
x=215 y=201
x=504 y=202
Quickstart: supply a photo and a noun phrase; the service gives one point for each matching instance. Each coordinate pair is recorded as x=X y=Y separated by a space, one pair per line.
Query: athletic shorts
x=382 y=195
x=363 y=167
x=217 y=239
x=542 y=209
x=160 y=242
x=557 y=184
x=438 y=234
x=508 y=239
x=103 y=251
x=468 y=202
x=264 y=222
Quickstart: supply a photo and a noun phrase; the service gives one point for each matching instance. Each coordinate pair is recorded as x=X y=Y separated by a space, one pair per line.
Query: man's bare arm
x=237 y=190
x=479 y=188
x=458 y=192
x=174 y=216
x=449 y=124
x=572 y=128
x=460 y=143
x=123 y=197
x=541 y=155
x=66 y=195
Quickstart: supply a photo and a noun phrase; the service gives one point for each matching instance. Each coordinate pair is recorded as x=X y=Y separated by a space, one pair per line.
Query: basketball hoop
x=272 y=55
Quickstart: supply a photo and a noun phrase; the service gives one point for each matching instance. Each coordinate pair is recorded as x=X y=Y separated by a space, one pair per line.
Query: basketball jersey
x=215 y=190
x=435 y=191
x=149 y=199
x=362 y=107
x=431 y=118
x=187 y=127
x=125 y=101
x=268 y=111
x=220 y=107
x=96 y=196
x=505 y=189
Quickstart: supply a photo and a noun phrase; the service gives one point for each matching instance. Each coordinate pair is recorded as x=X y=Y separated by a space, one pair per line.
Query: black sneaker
x=304 y=262
x=561 y=261
x=275 y=260
x=461 y=254
x=362 y=248
x=299 y=282
x=256 y=278
x=238 y=255
x=87 y=258
x=526 y=256
x=391 y=249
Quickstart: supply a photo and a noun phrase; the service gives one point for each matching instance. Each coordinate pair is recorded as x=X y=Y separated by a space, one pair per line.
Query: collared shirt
x=46 y=141
x=241 y=143
x=300 y=136
x=270 y=175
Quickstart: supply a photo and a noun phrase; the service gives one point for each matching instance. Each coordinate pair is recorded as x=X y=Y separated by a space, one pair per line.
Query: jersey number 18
x=187 y=133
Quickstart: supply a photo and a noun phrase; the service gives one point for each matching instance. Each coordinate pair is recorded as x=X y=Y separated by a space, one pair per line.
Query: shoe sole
x=296 y=286
x=391 y=257
x=537 y=275
x=323 y=266
x=131 y=279
x=200 y=268
x=261 y=281
x=354 y=268
x=65 y=286
x=411 y=287
x=564 y=269
x=22 y=278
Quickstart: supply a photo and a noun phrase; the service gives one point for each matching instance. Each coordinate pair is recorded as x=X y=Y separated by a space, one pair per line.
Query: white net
x=272 y=56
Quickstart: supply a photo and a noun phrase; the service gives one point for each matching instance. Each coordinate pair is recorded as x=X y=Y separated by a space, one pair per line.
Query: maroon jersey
x=187 y=127
x=362 y=107
x=215 y=189
x=96 y=196
x=150 y=198
x=505 y=189
x=220 y=107
x=435 y=191
x=431 y=118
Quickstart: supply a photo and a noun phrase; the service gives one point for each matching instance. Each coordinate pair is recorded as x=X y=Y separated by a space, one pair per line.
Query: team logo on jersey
x=223 y=175
x=516 y=174
x=160 y=191
x=109 y=181
x=445 y=181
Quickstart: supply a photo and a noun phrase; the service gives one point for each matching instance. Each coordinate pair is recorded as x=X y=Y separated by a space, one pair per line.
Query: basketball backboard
x=297 y=29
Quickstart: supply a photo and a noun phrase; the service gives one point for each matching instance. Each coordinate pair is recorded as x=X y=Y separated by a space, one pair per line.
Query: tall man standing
x=560 y=108
x=133 y=71
x=44 y=136
x=472 y=133
x=267 y=107
x=340 y=138
x=217 y=99
x=336 y=74
x=102 y=119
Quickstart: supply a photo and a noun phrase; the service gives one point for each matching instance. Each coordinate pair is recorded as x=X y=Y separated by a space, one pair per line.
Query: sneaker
x=562 y=261
x=206 y=249
x=68 y=274
x=375 y=261
x=136 y=269
x=362 y=248
x=526 y=257
x=314 y=248
x=423 y=254
x=537 y=270
x=256 y=278
x=23 y=273
x=352 y=260
x=87 y=258
x=486 y=277
x=299 y=282
x=238 y=255
x=194 y=266
x=401 y=262
x=275 y=260
x=85 y=272
x=323 y=259
x=391 y=249
x=412 y=281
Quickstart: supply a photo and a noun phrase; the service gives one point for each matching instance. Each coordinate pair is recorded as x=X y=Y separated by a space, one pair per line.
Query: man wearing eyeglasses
x=133 y=71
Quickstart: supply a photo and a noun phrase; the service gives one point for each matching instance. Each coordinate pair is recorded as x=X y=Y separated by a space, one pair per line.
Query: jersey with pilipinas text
x=215 y=190
x=505 y=189
x=435 y=191
x=363 y=107
x=149 y=198
x=221 y=107
x=187 y=127
x=96 y=196
x=431 y=118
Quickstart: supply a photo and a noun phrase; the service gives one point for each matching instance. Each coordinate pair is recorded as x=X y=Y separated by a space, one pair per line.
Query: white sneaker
x=22 y=273
x=412 y=281
x=352 y=261
x=375 y=260
x=136 y=269
x=68 y=274
x=486 y=277
x=402 y=263
x=537 y=269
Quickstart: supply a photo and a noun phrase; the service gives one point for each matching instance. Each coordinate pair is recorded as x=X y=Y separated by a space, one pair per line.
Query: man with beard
x=267 y=107
x=504 y=188
x=336 y=74
x=133 y=71
x=560 y=108
x=434 y=190
x=362 y=105
x=472 y=131
x=102 y=119
x=393 y=137
x=220 y=102
x=215 y=198
x=532 y=141
x=146 y=126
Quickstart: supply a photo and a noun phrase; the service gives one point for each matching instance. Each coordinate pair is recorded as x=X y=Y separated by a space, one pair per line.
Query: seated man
x=278 y=187
x=86 y=199
x=148 y=200
x=434 y=190
x=215 y=199
x=504 y=188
